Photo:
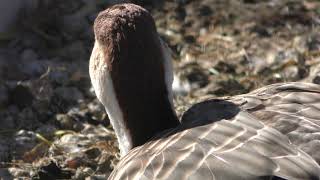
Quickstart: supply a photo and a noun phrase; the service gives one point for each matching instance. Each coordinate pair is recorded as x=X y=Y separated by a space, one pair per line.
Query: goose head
x=131 y=73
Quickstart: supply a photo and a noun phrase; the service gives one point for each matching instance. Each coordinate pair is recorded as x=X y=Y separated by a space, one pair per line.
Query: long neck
x=145 y=115
x=143 y=93
x=137 y=96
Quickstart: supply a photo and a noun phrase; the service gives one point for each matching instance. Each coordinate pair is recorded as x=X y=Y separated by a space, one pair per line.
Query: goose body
x=270 y=133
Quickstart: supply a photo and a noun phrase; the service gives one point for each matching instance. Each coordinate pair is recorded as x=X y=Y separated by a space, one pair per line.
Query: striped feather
x=260 y=135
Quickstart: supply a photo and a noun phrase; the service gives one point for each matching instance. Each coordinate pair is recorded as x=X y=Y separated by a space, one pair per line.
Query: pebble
x=291 y=72
x=69 y=94
x=30 y=65
x=313 y=42
x=67 y=122
x=93 y=153
x=316 y=79
x=28 y=55
x=205 y=10
x=46 y=130
x=24 y=141
x=59 y=77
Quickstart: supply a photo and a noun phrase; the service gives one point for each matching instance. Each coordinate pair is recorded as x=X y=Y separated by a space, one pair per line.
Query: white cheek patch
x=103 y=86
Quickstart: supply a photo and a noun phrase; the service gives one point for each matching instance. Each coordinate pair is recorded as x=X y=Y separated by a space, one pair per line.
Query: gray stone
x=59 y=77
x=291 y=72
x=24 y=141
x=46 y=130
x=28 y=55
x=69 y=94
x=67 y=122
x=313 y=42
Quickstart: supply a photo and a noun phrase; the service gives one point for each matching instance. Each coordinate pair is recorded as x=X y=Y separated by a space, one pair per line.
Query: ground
x=52 y=125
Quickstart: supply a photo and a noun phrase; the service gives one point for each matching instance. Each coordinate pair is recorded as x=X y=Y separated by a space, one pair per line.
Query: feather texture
x=259 y=135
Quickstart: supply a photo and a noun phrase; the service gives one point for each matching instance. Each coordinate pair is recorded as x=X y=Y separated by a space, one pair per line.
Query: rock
x=33 y=69
x=314 y=74
x=24 y=141
x=30 y=66
x=64 y=97
x=23 y=136
x=196 y=76
x=28 y=55
x=261 y=30
x=205 y=10
x=70 y=94
x=93 y=153
x=21 y=96
x=67 y=122
x=59 y=77
x=316 y=79
x=291 y=72
x=286 y=57
x=313 y=42
x=46 y=130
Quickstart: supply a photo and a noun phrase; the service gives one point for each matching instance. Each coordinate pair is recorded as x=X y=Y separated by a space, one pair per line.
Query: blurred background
x=51 y=124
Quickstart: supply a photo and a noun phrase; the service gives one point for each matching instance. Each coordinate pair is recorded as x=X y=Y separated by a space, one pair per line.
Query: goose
x=270 y=133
